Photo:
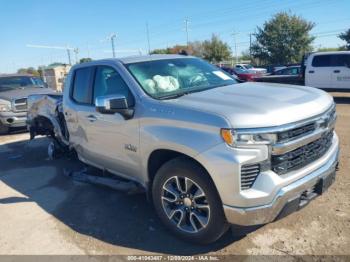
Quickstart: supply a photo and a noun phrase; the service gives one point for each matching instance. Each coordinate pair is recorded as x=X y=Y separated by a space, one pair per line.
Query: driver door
x=114 y=141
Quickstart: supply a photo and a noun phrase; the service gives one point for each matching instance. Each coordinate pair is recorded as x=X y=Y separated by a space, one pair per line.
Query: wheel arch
x=160 y=156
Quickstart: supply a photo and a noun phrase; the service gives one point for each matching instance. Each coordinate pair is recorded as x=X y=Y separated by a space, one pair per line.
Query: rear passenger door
x=318 y=71
x=341 y=71
x=79 y=109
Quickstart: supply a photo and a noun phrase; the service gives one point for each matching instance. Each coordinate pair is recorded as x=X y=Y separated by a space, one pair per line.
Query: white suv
x=328 y=70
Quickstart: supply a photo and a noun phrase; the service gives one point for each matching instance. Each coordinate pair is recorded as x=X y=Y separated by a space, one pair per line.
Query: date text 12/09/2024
x=173 y=258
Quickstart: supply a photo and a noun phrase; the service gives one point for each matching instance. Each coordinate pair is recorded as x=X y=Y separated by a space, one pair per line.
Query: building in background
x=55 y=75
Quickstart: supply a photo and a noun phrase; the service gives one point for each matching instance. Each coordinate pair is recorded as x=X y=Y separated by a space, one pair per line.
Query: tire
x=52 y=150
x=4 y=129
x=187 y=213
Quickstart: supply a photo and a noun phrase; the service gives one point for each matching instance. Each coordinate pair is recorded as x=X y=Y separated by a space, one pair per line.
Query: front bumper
x=12 y=119
x=289 y=198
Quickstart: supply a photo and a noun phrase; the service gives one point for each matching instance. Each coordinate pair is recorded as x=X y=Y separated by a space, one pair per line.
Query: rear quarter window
x=341 y=60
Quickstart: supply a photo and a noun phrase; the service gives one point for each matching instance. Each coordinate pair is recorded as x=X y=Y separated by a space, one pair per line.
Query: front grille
x=249 y=173
x=302 y=156
x=322 y=122
x=296 y=132
x=20 y=105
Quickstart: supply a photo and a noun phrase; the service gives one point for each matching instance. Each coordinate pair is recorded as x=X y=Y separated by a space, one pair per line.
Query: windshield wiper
x=172 y=96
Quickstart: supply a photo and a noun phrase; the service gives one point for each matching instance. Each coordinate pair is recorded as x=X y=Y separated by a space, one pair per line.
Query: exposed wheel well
x=41 y=126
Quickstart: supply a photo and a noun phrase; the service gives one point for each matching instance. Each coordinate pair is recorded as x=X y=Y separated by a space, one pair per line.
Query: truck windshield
x=169 y=78
x=13 y=82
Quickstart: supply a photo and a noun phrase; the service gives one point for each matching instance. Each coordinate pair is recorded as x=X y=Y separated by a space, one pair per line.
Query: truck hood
x=24 y=92
x=253 y=105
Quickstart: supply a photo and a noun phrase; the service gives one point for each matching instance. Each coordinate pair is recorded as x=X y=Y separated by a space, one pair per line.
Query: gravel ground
x=44 y=212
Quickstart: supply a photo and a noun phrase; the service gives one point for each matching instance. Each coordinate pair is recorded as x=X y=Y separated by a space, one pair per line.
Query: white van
x=328 y=70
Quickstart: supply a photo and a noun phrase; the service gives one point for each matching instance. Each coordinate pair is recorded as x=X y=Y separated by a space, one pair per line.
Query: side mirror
x=114 y=104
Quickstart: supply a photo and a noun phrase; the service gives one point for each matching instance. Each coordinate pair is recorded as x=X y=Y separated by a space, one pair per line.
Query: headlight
x=5 y=105
x=5 y=108
x=237 y=138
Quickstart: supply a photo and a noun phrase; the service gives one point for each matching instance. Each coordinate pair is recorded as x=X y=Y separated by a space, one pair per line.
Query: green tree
x=345 y=36
x=170 y=50
x=29 y=70
x=245 y=56
x=160 y=51
x=326 y=49
x=84 y=60
x=215 y=50
x=196 y=48
x=283 y=39
x=56 y=64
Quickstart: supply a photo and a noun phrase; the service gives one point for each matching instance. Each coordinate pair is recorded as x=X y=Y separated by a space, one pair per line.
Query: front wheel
x=187 y=202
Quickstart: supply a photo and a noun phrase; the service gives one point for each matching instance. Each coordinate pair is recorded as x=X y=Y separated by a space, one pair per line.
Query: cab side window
x=109 y=82
x=321 y=61
x=82 y=91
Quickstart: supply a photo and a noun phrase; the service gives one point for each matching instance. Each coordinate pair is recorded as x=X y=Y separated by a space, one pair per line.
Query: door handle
x=336 y=71
x=91 y=118
x=311 y=71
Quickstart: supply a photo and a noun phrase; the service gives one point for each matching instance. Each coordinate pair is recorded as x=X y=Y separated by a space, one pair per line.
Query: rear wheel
x=187 y=202
x=4 y=129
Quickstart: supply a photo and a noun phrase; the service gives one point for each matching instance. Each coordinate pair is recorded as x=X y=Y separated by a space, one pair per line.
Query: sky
x=86 y=25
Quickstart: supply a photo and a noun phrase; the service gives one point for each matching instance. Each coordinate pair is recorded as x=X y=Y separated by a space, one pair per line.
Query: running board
x=111 y=181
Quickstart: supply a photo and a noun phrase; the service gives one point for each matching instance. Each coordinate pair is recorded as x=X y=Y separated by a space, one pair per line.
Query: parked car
x=227 y=69
x=291 y=70
x=328 y=70
x=232 y=72
x=207 y=150
x=288 y=75
x=14 y=90
x=250 y=68
x=246 y=75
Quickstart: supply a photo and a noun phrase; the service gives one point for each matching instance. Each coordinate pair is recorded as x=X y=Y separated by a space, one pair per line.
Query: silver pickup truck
x=208 y=151
x=14 y=90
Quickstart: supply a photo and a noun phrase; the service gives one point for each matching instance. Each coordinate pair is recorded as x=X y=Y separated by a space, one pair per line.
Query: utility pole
x=235 y=45
x=76 y=51
x=112 y=37
x=186 y=28
x=69 y=59
x=250 y=46
x=147 y=32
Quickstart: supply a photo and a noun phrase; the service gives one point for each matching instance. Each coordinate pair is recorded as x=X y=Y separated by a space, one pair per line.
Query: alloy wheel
x=185 y=204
